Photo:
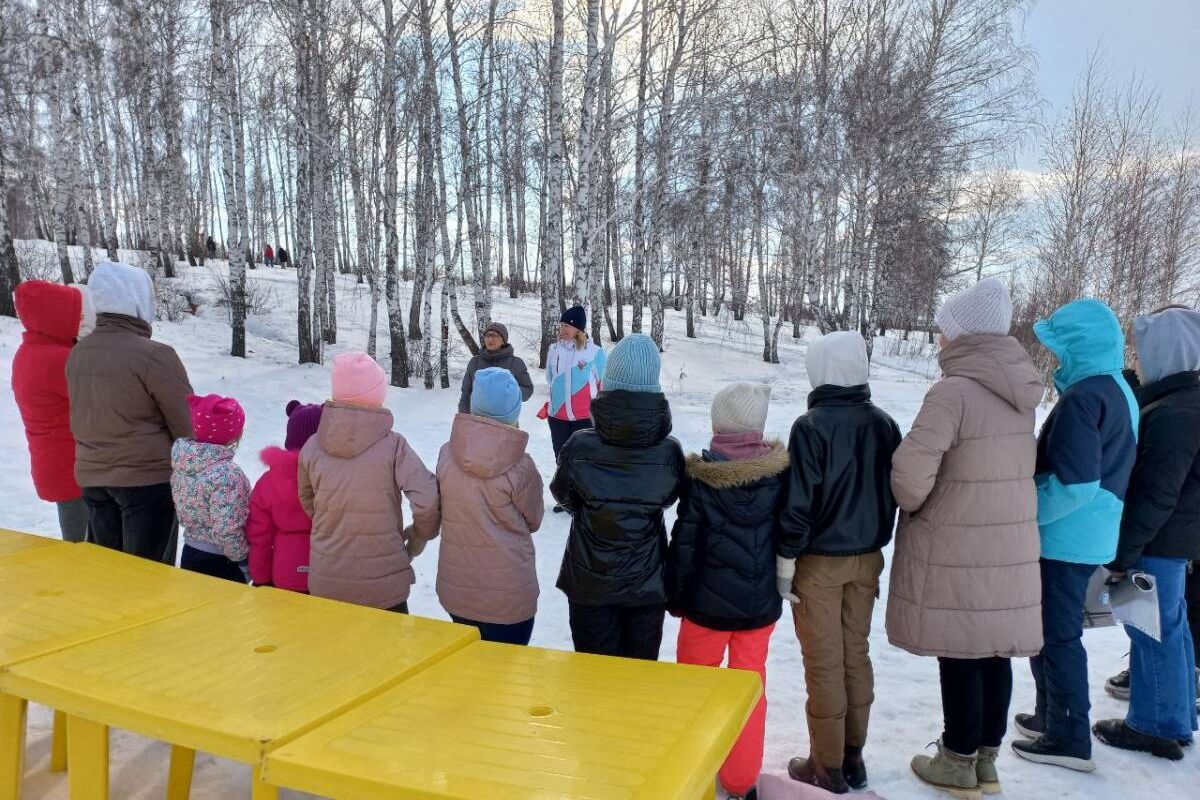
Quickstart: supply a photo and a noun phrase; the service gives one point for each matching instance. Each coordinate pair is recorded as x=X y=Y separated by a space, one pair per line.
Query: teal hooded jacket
x=1087 y=446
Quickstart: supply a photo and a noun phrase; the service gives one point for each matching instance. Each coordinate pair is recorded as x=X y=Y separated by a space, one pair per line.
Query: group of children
x=999 y=531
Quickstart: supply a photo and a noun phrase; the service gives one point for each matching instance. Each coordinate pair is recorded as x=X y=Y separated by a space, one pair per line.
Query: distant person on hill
x=128 y=398
x=616 y=481
x=283 y=257
x=211 y=247
x=837 y=516
x=575 y=373
x=496 y=352
x=278 y=528
x=351 y=476
x=211 y=492
x=964 y=585
x=492 y=504
x=54 y=317
x=268 y=256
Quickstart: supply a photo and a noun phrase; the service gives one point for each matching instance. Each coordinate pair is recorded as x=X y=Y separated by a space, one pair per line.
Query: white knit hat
x=985 y=308
x=741 y=408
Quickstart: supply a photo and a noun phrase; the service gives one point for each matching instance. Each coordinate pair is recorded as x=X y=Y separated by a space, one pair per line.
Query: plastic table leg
x=58 y=743
x=87 y=750
x=12 y=745
x=179 y=780
x=261 y=790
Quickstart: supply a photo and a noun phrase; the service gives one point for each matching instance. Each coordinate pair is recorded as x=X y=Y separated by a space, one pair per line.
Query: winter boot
x=807 y=770
x=1029 y=725
x=558 y=509
x=950 y=772
x=1115 y=733
x=854 y=768
x=1118 y=685
x=985 y=770
x=1044 y=751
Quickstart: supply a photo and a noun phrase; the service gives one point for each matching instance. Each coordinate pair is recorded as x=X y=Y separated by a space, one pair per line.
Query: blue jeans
x=1060 y=670
x=1162 y=682
x=516 y=633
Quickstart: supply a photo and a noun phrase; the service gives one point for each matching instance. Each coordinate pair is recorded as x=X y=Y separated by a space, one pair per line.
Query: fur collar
x=731 y=474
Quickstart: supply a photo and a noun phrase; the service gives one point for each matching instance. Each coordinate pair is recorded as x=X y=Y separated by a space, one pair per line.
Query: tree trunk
x=229 y=118
x=552 y=247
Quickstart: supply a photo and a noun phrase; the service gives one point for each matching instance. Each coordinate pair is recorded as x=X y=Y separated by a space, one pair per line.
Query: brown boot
x=949 y=771
x=807 y=770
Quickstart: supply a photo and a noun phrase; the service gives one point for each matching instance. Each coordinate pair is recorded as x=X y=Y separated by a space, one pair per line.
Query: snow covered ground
x=907 y=713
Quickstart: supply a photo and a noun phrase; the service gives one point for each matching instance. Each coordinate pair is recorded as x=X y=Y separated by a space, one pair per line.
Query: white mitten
x=785 y=571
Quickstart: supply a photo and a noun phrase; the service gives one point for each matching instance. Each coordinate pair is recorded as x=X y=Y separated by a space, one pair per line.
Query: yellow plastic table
x=54 y=597
x=511 y=723
x=15 y=542
x=236 y=678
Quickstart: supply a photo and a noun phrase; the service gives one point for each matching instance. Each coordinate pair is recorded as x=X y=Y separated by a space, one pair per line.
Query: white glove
x=785 y=571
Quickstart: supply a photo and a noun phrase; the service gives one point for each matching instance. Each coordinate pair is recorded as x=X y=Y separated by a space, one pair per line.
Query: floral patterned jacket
x=212 y=497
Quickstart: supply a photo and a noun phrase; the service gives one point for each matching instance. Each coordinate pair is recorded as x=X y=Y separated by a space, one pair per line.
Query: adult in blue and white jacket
x=1085 y=454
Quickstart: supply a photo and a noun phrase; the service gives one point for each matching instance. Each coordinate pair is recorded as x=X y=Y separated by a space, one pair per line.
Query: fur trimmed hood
x=724 y=474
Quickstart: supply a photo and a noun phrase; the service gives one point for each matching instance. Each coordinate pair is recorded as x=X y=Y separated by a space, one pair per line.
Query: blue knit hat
x=633 y=365
x=576 y=317
x=496 y=395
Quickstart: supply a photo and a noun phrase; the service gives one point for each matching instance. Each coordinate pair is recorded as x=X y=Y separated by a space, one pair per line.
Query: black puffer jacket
x=839 y=496
x=721 y=563
x=1162 y=504
x=615 y=480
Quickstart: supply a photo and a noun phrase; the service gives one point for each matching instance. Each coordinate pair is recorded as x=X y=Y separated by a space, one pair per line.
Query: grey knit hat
x=741 y=408
x=985 y=308
x=498 y=329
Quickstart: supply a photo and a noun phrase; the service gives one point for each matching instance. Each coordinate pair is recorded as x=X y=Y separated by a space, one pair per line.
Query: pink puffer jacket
x=492 y=503
x=278 y=527
x=351 y=476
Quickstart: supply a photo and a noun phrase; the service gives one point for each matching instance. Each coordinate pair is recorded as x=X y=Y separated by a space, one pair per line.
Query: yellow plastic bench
x=510 y=723
x=55 y=597
x=236 y=678
x=15 y=542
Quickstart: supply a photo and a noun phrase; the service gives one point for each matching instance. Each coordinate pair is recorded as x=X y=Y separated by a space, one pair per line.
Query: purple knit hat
x=303 y=421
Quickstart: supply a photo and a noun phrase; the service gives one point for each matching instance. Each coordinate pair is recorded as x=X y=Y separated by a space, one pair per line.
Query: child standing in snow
x=616 y=481
x=278 y=527
x=211 y=492
x=492 y=504
x=350 y=479
x=721 y=566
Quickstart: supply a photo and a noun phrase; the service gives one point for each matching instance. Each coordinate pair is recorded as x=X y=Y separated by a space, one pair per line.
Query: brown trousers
x=833 y=619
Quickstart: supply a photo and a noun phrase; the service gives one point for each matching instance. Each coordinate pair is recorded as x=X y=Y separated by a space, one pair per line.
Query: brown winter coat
x=128 y=404
x=350 y=478
x=965 y=579
x=492 y=504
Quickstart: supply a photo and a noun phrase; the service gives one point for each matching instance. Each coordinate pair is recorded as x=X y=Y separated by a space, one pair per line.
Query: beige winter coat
x=492 y=504
x=350 y=479
x=965 y=578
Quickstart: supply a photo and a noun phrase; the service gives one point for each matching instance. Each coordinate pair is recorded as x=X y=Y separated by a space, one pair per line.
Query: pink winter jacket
x=350 y=479
x=278 y=527
x=492 y=503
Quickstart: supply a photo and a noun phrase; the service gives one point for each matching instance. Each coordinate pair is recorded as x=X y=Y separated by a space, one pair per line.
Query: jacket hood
x=1087 y=340
x=122 y=289
x=484 y=447
x=280 y=460
x=716 y=471
x=189 y=457
x=50 y=309
x=495 y=355
x=1167 y=343
x=998 y=364
x=631 y=419
x=837 y=359
x=347 y=431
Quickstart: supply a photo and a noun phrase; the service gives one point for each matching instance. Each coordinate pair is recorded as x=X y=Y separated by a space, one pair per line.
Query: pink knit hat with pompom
x=216 y=419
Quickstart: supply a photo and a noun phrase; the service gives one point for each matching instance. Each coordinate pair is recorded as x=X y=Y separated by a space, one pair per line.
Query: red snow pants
x=748 y=651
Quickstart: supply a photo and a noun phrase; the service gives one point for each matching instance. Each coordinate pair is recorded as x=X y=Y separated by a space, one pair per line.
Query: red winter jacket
x=278 y=528
x=51 y=314
x=268 y=252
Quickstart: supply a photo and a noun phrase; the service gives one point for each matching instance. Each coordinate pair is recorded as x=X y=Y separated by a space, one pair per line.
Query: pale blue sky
x=1160 y=39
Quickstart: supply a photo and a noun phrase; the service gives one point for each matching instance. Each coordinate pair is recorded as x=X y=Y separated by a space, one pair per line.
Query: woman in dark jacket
x=616 y=480
x=721 y=563
x=496 y=352
x=1160 y=534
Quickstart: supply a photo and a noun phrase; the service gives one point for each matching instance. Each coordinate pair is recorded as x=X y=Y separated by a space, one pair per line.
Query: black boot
x=1029 y=725
x=1118 y=685
x=557 y=509
x=1043 y=751
x=1115 y=733
x=807 y=770
x=854 y=769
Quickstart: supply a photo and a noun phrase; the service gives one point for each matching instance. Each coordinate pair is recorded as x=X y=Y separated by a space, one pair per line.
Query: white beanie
x=122 y=289
x=838 y=359
x=984 y=308
x=88 y=322
x=741 y=408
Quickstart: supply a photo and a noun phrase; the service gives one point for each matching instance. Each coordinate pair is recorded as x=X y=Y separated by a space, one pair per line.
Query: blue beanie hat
x=633 y=365
x=576 y=317
x=496 y=395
